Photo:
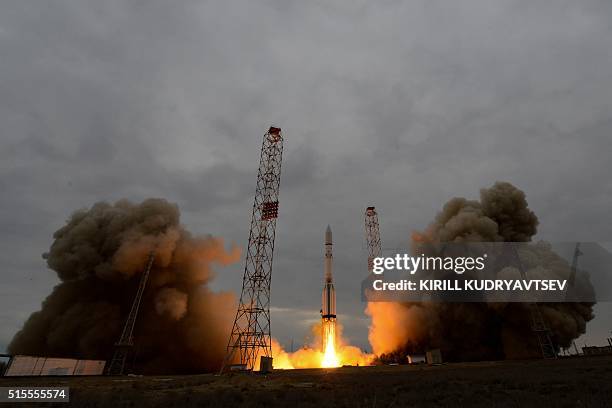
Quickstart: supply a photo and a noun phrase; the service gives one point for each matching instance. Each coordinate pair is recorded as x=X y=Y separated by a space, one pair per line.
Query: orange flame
x=389 y=327
x=328 y=349
x=393 y=324
x=330 y=359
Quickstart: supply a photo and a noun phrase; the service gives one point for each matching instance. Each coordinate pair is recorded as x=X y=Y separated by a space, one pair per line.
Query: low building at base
x=19 y=366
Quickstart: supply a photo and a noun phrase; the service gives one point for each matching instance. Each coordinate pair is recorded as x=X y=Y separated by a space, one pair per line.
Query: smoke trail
x=98 y=256
x=477 y=331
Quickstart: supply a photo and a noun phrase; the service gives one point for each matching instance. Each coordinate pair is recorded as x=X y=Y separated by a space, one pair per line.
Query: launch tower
x=250 y=336
x=124 y=346
x=372 y=232
x=538 y=325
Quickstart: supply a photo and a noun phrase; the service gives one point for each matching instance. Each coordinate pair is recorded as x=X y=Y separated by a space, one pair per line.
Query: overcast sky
x=399 y=104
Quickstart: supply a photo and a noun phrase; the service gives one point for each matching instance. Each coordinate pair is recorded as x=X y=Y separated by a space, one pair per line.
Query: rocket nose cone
x=328 y=235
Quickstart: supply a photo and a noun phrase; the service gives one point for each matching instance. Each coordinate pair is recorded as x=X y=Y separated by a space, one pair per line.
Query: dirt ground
x=567 y=382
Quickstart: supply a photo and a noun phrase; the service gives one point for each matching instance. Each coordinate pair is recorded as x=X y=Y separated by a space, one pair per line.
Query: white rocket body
x=328 y=306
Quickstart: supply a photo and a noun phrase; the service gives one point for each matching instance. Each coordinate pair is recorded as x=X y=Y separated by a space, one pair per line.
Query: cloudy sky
x=393 y=103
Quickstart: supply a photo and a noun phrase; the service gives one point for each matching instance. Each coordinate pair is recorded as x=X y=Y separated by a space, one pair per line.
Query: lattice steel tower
x=250 y=335
x=372 y=231
x=538 y=325
x=572 y=278
x=125 y=344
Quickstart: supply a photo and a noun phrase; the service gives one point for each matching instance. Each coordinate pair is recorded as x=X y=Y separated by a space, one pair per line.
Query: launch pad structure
x=372 y=232
x=124 y=346
x=538 y=325
x=250 y=336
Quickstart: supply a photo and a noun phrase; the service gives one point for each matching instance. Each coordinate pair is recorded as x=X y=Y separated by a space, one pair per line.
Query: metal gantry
x=538 y=325
x=250 y=336
x=125 y=344
x=577 y=253
x=570 y=294
x=372 y=232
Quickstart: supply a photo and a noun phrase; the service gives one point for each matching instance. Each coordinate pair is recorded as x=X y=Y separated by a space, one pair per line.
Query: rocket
x=328 y=306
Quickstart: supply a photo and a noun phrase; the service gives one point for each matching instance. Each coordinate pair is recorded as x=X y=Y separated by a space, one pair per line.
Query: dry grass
x=570 y=382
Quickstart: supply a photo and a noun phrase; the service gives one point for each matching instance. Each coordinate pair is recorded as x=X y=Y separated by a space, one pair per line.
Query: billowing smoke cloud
x=99 y=256
x=477 y=331
x=172 y=303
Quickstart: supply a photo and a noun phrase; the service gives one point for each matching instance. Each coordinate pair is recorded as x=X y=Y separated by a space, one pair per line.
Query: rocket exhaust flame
x=329 y=349
x=330 y=358
x=335 y=352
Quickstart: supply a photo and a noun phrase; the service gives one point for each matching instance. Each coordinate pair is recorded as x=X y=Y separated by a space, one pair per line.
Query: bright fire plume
x=317 y=355
x=330 y=359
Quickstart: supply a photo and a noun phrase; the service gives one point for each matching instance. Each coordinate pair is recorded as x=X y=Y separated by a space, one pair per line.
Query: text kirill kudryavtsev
x=508 y=285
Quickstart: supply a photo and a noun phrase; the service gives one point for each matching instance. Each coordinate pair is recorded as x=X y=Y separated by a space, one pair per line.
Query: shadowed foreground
x=568 y=382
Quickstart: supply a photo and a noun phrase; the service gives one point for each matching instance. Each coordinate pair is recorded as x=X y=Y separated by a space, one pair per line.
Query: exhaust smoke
x=478 y=331
x=98 y=256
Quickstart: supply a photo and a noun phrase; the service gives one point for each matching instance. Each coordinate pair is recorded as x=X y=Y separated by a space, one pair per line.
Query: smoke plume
x=99 y=256
x=479 y=331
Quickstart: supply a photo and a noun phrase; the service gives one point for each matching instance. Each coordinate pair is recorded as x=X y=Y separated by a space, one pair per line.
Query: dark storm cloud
x=401 y=105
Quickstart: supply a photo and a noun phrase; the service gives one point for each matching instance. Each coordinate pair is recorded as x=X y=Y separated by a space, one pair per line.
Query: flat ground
x=567 y=382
